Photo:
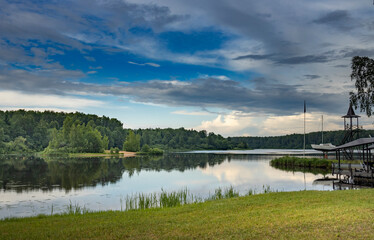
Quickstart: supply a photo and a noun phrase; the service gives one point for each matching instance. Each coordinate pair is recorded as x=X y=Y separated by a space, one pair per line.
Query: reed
x=250 y=192
x=158 y=200
x=266 y=189
x=177 y=198
x=220 y=193
x=75 y=209
x=164 y=199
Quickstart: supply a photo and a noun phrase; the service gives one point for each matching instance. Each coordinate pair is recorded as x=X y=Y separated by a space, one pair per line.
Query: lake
x=32 y=185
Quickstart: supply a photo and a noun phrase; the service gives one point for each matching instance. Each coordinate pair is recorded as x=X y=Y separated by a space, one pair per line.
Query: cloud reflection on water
x=252 y=173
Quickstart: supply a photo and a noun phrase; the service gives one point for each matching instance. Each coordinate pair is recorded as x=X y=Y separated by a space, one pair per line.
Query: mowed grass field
x=284 y=215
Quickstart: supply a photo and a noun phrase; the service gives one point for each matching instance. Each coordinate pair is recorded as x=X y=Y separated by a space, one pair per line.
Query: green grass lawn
x=285 y=215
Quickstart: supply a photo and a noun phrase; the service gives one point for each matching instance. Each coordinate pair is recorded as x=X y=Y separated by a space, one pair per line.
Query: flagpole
x=322 y=129
x=304 y=127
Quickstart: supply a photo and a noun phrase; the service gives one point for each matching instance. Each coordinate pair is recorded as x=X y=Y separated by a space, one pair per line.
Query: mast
x=304 y=127
x=322 y=129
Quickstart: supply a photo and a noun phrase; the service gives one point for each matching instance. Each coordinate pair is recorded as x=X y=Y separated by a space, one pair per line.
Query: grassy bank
x=295 y=215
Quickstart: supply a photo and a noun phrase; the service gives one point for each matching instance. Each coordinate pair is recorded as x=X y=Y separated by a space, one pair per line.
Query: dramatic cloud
x=77 y=24
x=340 y=19
x=265 y=97
x=214 y=93
x=261 y=58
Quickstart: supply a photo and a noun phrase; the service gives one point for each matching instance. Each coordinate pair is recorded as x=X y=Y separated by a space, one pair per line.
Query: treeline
x=56 y=132
x=182 y=139
x=296 y=141
x=32 y=131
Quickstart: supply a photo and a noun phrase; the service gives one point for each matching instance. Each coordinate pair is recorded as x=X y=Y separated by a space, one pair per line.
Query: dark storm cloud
x=342 y=66
x=254 y=57
x=352 y=52
x=304 y=59
x=340 y=19
x=325 y=57
x=51 y=81
x=312 y=76
x=333 y=17
x=265 y=97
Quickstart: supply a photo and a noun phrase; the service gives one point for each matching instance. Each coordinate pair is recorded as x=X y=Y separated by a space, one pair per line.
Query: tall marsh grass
x=164 y=199
x=220 y=193
x=75 y=209
x=158 y=200
x=177 y=198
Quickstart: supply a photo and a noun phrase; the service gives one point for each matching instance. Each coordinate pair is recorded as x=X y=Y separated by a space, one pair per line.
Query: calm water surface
x=30 y=185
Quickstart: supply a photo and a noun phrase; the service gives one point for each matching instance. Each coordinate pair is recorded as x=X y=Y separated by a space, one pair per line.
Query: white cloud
x=95 y=68
x=220 y=77
x=184 y=112
x=145 y=64
x=91 y=59
x=148 y=104
x=227 y=125
x=282 y=125
x=14 y=99
x=152 y=64
x=171 y=82
x=240 y=124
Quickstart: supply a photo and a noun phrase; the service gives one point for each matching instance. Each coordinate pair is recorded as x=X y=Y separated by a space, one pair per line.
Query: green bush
x=156 y=151
x=146 y=148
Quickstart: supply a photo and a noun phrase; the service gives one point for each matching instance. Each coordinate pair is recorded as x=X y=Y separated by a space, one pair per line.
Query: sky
x=232 y=67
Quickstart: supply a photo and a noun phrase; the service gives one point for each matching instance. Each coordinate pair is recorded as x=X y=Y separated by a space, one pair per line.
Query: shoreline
x=124 y=154
x=275 y=215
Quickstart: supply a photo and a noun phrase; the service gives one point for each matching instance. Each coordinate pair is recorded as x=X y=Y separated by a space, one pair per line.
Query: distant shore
x=105 y=154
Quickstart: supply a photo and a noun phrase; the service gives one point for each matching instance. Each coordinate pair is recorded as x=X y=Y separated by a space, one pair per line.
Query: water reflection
x=32 y=185
x=22 y=173
x=30 y=173
x=257 y=173
x=314 y=171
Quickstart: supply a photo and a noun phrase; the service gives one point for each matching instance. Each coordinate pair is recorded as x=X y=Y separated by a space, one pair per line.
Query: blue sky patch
x=194 y=41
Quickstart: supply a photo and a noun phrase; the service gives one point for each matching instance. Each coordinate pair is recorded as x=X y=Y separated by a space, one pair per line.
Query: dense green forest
x=57 y=132
x=33 y=131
